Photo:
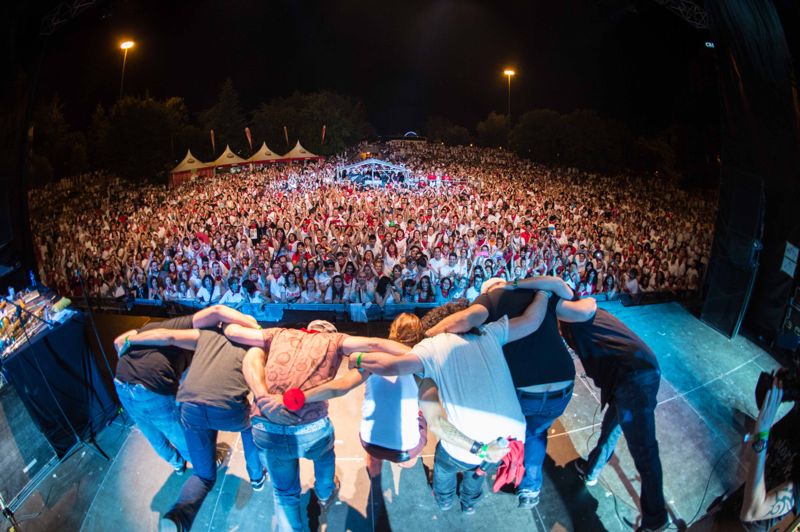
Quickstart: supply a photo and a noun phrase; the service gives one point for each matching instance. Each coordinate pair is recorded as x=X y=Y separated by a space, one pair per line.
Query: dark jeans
x=282 y=451
x=540 y=411
x=632 y=412
x=201 y=424
x=445 y=470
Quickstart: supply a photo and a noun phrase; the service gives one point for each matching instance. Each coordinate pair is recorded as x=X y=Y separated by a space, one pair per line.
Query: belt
x=274 y=428
x=555 y=394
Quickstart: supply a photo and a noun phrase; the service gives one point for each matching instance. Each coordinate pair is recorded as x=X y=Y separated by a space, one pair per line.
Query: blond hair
x=406 y=329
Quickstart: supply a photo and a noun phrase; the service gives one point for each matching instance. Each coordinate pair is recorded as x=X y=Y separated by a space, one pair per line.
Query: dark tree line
x=141 y=137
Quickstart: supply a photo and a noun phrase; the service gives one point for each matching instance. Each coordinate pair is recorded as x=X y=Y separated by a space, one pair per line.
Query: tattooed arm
x=759 y=504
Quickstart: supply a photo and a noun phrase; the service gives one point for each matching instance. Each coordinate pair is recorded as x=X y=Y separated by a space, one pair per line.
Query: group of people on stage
x=300 y=235
x=488 y=379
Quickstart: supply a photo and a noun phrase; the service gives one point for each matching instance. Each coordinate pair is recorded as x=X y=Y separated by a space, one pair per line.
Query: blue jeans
x=631 y=411
x=445 y=470
x=157 y=417
x=282 y=453
x=540 y=411
x=201 y=424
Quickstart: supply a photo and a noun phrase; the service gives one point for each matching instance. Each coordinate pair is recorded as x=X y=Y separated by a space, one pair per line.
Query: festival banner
x=213 y=143
x=249 y=137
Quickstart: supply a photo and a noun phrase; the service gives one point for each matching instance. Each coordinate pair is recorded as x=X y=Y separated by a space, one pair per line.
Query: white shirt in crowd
x=391 y=421
x=475 y=385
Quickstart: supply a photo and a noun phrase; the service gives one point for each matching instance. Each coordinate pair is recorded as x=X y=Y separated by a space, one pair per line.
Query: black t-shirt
x=158 y=369
x=215 y=377
x=539 y=358
x=608 y=350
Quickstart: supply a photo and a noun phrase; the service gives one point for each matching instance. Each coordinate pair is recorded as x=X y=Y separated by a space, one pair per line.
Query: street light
x=508 y=72
x=124 y=46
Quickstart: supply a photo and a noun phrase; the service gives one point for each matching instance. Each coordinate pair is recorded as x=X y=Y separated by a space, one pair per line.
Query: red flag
x=324 y=128
x=286 y=134
x=249 y=137
x=213 y=144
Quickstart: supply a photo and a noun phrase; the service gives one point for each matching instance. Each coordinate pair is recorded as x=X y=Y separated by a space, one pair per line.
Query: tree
x=440 y=129
x=57 y=150
x=304 y=115
x=493 y=132
x=539 y=135
x=134 y=138
x=227 y=120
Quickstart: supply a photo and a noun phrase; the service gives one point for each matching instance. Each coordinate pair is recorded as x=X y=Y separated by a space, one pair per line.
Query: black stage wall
x=760 y=119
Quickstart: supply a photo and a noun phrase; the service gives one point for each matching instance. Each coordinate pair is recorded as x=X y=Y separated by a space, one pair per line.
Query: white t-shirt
x=475 y=385
x=393 y=420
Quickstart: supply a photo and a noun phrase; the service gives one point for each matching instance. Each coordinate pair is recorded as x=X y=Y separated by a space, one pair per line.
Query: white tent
x=300 y=153
x=264 y=155
x=189 y=167
x=228 y=158
x=189 y=163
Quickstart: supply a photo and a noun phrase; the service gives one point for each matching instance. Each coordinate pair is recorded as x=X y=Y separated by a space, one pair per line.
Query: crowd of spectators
x=297 y=234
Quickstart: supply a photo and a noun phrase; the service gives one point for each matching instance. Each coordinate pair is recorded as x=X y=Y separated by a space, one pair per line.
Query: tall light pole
x=125 y=46
x=509 y=73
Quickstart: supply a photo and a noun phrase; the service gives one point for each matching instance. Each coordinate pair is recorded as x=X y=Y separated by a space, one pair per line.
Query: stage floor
x=705 y=405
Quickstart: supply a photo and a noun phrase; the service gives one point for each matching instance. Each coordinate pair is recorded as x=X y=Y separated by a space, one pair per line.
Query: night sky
x=405 y=60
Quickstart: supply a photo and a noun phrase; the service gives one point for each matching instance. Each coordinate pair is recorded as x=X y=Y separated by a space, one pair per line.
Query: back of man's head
x=441 y=312
x=322 y=326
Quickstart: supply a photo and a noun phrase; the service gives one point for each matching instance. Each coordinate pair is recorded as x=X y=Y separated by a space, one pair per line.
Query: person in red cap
x=283 y=364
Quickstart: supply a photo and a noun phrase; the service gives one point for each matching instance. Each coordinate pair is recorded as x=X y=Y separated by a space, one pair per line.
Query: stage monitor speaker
x=734 y=255
x=25 y=455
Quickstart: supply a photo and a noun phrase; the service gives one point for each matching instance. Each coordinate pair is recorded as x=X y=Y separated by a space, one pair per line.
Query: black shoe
x=582 y=466
x=167 y=524
x=324 y=504
x=659 y=528
x=258 y=485
x=469 y=509
x=527 y=499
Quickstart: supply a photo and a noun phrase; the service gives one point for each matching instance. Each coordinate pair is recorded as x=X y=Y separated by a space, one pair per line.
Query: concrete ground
x=705 y=404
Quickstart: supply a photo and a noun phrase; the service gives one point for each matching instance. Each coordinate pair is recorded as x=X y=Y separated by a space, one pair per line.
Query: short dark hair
x=441 y=312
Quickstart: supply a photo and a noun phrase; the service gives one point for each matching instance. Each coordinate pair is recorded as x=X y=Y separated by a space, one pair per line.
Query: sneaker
x=180 y=470
x=527 y=499
x=219 y=458
x=258 y=485
x=443 y=505
x=582 y=466
x=166 y=524
x=324 y=504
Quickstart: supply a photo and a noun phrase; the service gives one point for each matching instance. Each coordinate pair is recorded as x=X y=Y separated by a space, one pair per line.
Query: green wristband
x=762 y=435
x=358 y=360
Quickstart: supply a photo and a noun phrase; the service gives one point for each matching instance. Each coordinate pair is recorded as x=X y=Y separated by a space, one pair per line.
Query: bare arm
x=388 y=365
x=336 y=387
x=576 y=311
x=245 y=335
x=759 y=504
x=184 y=338
x=211 y=316
x=437 y=420
x=253 y=369
x=461 y=322
x=546 y=282
x=353 y=344
x=119 y=341
x=530 y=320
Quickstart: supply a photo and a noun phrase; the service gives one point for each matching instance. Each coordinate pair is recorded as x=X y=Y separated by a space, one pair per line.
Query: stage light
x=126 y=44
x=710 y=44
x=508 y=72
